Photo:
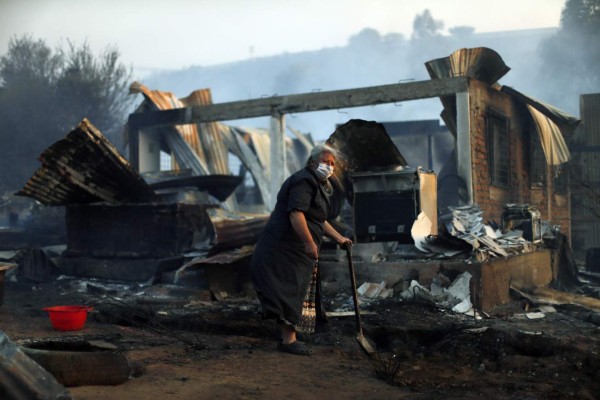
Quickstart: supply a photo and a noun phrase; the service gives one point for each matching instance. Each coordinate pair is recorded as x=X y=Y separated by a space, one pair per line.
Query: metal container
x=523 y=217
x=386 y=203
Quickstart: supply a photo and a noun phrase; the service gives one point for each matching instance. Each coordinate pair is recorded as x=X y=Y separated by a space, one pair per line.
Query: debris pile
x=455 y=297
x=464 y=224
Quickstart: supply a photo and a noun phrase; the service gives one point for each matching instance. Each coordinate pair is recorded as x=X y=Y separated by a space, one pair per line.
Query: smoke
x=368 y=59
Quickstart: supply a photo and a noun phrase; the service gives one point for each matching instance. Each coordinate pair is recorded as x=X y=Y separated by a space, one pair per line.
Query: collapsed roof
x=85 y=167
x=204 y=147
x=486 y=65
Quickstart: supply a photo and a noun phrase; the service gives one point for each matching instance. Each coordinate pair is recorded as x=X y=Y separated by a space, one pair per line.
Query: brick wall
x=492 y=198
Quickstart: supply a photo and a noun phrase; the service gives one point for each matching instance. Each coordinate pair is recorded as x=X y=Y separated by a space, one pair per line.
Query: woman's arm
x=330 y=232
x=300 y=226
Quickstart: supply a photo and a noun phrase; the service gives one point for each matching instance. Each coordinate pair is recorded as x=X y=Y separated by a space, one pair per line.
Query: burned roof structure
x=121 y=227
x=204 y=147
x=487 y=66
x=83 y=168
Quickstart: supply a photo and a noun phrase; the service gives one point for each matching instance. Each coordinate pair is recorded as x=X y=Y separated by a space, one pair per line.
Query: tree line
x=45 y=92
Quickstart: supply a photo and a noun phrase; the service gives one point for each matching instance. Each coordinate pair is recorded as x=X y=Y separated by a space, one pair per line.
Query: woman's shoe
x=296 y=347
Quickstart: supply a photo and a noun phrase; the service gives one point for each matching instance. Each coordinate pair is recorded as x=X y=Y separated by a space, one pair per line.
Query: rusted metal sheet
x=85 y=167
x=210 y=139
x=238 y=146
x=479 y=63
x=168 y=101
x=218 y=186
x=21 y=378
x=566 y=122
x=215 y=149
x=553 y=143
x=551 y=124
x=487 y=66
x=234 y=230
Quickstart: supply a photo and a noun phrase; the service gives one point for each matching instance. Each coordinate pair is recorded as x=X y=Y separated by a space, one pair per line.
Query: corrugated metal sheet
x=242 y=150
x=590 y=105
x=252 y=147
x=590 y=136
x=183 y=153
x=480 y=63
x=553 y=144
x=551 y=124
x=565 y=122
x=487 y=66
x=213 y=141
x=21 y=378
x=210 y=138
x=235 y=230
x=585 y=222
x=85 y=167
x=215 y=149
x=189 y=132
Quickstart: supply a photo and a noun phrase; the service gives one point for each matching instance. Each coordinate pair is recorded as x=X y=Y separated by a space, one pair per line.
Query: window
x=165 y=161
x=498 y=139
x=538 y=161
x=561 y=178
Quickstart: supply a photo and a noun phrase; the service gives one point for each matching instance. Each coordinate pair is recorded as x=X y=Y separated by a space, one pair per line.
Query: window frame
x=494 y=116
x=537 y=161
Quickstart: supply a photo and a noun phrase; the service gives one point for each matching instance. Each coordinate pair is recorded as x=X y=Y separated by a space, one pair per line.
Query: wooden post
x=278 y=156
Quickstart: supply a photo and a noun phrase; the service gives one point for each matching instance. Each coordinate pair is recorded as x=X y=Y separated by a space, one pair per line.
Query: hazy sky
x=175 y=34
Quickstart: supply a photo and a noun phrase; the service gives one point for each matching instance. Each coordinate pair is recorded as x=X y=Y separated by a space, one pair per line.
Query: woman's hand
x=344 y=242
x=312 y=250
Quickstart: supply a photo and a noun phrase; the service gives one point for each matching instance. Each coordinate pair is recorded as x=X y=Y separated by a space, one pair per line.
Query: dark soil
x=224 y=350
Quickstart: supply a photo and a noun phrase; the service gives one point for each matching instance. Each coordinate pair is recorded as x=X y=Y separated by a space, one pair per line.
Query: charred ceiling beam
x=305 y=102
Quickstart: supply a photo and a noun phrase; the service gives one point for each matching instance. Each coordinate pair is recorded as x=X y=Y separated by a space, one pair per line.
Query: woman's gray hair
x=318 y=151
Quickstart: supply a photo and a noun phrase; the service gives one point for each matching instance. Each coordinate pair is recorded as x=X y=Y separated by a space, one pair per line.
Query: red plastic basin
x=67 y=318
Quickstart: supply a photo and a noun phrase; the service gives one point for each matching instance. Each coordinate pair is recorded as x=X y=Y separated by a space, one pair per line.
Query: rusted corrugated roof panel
x=85 y=167
x=215 y=149
x=553 y=144
x=551 y=124
x=210 y=138
x=238 y=146
x=487 y=66
x=565 y=122
x=21 y=378
x=168 y=101
x=480 y=63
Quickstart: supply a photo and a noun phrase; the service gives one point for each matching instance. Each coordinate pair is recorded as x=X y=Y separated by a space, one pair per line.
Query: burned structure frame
x=277 y=107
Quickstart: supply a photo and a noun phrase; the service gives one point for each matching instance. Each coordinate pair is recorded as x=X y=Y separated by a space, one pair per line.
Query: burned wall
x=134 y=230
x=511 y=156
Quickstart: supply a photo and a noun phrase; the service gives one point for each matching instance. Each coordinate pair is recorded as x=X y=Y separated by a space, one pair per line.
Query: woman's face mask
x=324 y=171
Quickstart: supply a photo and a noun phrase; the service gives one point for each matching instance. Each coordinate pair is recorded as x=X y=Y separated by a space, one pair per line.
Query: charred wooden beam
x=305 y=102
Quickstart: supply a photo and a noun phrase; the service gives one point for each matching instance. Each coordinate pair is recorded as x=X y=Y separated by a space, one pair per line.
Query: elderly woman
x=284 y=265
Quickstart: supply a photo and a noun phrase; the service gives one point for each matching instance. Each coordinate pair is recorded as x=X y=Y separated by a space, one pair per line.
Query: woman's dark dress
x=281 y=270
